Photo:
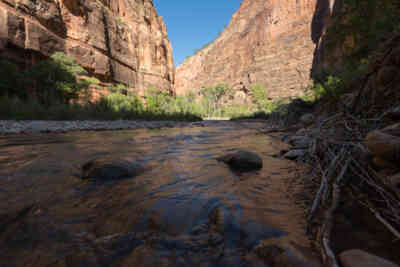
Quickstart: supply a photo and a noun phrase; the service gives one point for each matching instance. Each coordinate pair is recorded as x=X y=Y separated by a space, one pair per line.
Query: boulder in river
x=242 y=160
x=359 y=258
x=111 y=169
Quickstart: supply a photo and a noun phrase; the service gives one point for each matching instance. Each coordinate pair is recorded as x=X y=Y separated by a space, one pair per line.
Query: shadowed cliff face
x=267 y=42
x=324 y=12
x=347 y=34
x=116 y=40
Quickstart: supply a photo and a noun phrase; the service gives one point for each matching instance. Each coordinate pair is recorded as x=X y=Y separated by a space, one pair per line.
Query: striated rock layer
x=121 y=41
x=267 y=42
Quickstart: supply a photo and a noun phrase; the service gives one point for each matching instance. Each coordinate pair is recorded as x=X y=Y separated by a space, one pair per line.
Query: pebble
x=40 y=126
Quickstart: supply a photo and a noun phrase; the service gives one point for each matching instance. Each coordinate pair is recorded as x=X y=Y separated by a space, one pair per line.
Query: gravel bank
x=18 y=127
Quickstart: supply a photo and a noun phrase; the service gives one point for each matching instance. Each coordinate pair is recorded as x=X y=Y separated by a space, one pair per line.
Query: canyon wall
x=267 y=42
x=122 y=41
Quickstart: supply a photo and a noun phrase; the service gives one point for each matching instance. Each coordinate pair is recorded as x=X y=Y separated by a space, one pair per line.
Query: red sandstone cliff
x=267 y=42
x=116 y=40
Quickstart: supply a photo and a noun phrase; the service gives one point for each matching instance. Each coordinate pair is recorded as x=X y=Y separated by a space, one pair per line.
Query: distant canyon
x=273 y=43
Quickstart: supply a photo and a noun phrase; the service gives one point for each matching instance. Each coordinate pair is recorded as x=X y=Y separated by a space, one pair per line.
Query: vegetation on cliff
x=54 y=89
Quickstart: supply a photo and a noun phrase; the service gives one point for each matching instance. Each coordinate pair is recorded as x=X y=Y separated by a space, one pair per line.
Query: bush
x=118 y=102
x=118 y=88
x=259 y=96
x=331 y=89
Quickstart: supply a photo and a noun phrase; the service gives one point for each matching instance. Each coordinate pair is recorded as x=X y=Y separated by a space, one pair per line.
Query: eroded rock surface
x=122 y=41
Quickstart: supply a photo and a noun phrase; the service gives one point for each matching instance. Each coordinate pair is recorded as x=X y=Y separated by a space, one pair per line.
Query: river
x=188 y=209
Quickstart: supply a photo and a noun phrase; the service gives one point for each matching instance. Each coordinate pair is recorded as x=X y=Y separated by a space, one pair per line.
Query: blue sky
x=192 y=24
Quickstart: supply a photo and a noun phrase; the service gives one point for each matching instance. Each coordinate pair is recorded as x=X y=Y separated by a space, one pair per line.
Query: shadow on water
x=188 y=209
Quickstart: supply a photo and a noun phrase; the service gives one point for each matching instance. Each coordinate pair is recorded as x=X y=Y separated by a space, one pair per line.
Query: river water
x=188 y=209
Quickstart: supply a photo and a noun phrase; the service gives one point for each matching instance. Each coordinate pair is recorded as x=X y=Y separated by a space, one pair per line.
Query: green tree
x=213 y=96
x=55 y=79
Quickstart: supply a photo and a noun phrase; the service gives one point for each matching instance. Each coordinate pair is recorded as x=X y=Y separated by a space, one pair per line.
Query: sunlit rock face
x=267 y=42
x=121 y=41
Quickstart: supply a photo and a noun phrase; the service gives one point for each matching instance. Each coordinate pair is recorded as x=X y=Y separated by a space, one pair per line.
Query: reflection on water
x=187 y=203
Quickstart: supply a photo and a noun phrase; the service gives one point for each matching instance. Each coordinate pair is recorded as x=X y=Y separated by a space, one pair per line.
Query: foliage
x=259 y=96
x=158 y=101
x=212 y=97
x=92 y=80
x=332 y=88
x=111 y=109
x=118 y=102
x=117 y=88
x=12 y=81
x=52 y=80
x=55 y=79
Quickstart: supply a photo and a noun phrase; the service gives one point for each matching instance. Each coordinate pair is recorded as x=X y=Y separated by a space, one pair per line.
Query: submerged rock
x=359 y=258
x=295 y=153
x=111 y=169
x=243 y=160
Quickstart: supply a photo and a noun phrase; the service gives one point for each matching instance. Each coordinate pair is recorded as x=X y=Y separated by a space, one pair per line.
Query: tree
x=55 y=79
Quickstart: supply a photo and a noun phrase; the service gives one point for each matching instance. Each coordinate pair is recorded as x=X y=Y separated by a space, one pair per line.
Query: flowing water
x=188 y=209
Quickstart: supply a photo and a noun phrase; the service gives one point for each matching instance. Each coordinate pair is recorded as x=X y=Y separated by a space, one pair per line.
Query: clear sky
x=191 y=24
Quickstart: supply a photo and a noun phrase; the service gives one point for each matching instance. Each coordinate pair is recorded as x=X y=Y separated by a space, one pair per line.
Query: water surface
x=189 y=209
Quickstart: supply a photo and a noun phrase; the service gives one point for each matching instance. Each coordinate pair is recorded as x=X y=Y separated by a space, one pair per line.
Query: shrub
x=118 y=102
x=259 y=96
x=117 y=88
x=331 y=89
x=158 y=101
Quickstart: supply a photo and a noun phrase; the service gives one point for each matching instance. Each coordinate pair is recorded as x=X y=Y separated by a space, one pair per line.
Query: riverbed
x=188 y=209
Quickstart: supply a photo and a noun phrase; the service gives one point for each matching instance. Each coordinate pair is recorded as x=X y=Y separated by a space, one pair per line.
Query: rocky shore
x=18 y=127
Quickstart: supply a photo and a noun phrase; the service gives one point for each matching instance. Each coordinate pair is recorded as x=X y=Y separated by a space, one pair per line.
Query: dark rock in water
x=243 y=160
x=111 y=169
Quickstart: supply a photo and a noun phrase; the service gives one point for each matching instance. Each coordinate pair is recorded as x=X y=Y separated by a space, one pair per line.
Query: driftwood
x=385 y=222
x=336 y=157
x=329 y=256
